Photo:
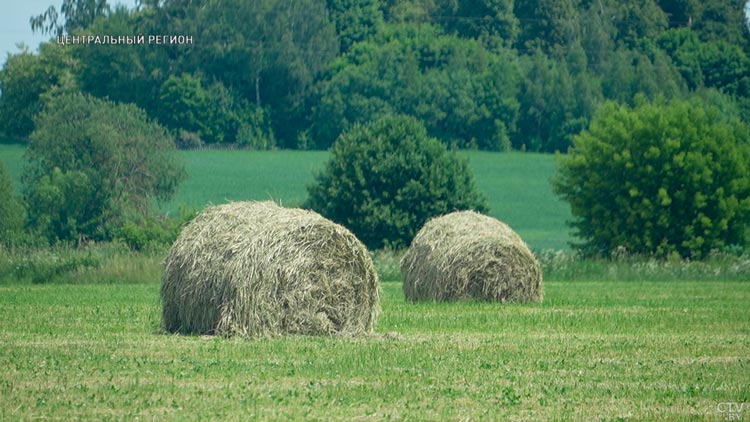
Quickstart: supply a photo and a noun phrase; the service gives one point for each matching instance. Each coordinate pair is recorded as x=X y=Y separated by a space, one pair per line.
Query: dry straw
x=256 y=269
x=469 y=255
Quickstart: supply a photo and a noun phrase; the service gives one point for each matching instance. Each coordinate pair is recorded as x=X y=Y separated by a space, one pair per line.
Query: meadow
x=80 y=335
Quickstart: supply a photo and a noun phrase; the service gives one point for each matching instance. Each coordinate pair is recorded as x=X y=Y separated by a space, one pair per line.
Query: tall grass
x=107 y=263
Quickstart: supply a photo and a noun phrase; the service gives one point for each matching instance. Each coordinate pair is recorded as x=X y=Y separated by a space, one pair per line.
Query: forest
x=492 y=75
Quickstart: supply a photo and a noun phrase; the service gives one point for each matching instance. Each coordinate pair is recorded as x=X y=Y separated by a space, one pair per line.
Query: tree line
x=493 y=75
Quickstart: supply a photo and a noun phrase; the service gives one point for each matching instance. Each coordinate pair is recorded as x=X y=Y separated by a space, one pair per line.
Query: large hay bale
x=256 y=269
x=469 y=255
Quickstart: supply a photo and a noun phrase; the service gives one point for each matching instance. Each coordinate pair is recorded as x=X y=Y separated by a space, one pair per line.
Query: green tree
x=712 y=64
x=385 y=179
x=556 y=103
x=486 y=19
x=659 y=178
x=465 y=94
x=185 y=104
x=95 y=165
x=24 y=79
x=355 y=20
x=11 y=210
x=77 y=14
x=547 y=24
x=645 y=70
x=122 y=72
x=268 y=51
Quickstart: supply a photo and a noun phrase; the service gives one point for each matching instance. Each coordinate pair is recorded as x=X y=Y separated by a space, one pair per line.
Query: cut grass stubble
x=670 y=350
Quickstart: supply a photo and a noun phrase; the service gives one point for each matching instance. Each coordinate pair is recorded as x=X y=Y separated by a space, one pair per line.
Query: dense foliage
x=11 y=210
x=385 y=179
x=521 y=74
x=94 y=166
x=659 y=178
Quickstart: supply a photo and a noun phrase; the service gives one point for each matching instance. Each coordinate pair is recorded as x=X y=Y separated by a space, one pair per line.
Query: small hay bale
x=468 y=255
x=255 y=269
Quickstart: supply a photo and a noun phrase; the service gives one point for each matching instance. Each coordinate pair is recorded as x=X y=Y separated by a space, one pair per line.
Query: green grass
x=218 y=176
x=518 y=188
x=592 y=351
x=515 y=184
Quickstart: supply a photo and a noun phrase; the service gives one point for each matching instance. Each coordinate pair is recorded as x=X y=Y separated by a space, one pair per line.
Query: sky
x=15 y=27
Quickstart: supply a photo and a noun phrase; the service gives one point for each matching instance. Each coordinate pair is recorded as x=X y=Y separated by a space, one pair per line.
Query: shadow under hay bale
x=256 y=269
x=468 y=255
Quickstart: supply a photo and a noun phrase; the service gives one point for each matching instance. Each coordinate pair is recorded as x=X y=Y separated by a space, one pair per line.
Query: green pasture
x=591 y=351
x=515 y=184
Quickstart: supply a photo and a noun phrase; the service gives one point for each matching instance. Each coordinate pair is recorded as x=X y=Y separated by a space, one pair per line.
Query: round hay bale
x=255 y=269
x=468 y=255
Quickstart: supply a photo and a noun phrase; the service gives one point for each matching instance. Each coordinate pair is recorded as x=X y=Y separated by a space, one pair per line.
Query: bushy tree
x=185 y=104
x=714 y=64
x=95 y=165
x=125 y=73
x=659 y=178
x=11 y=211
x=355 y=20
x=387 y=177
x=24 y=79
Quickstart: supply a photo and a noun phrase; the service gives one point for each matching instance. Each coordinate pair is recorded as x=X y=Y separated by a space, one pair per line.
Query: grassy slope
x=516 y=185
x=591 y=351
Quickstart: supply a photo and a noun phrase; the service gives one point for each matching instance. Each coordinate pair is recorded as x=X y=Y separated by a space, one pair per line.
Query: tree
x=355 y=20
x=713 y=64
x=95 y=165
x=122 y=72
x=485 y=19
x=268 y=51
x=645 y=70
x=78 y=14
x=555 y=103
x=185 y=104
x=24 y=79
x=465 y=94
x=11 y=210
x=385 y=179
x=546 y=24
x=659 y=178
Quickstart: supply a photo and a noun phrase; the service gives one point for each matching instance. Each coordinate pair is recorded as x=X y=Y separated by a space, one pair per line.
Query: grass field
x=515 y=184
x=604 y=344
x=592 y=351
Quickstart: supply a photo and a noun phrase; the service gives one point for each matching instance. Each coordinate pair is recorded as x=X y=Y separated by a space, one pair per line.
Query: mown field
x=591 y=351
x=515 y=184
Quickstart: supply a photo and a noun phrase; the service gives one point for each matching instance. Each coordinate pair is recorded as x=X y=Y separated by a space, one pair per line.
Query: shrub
x=385 y=179
x=153 y=233
x=188 y=140
x=93 y=166
x=657 y=179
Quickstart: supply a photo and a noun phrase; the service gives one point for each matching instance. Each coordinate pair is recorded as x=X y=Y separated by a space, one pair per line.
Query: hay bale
x=469 y=255
x=255 y=269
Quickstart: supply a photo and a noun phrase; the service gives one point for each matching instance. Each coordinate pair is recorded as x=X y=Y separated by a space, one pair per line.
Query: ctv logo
x=732 y=411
